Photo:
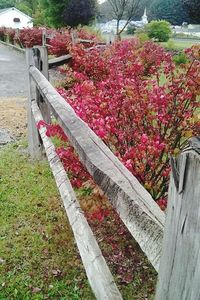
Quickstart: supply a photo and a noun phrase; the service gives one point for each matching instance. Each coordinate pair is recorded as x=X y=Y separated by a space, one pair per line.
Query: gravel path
x=13 y=120
x=13 y=74
x=14 y=93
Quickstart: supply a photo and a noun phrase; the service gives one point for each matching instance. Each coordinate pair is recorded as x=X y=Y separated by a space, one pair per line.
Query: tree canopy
x=106 y=12
x=73 y=12
x=27 y=6
x=193 y=8
x=56 y=13
x=172 y=11
x=79 y=12
x=53 y=10
x=7 y=3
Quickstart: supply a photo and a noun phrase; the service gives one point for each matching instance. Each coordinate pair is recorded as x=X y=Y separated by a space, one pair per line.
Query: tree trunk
x=118 y=35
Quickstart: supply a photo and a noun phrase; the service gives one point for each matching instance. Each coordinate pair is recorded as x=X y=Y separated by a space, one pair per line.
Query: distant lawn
x=175 y=44
x=172 y=44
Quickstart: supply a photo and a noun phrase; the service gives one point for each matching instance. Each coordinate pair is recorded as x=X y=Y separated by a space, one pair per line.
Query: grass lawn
x=172 y=44
x=38 y=256
x=175 y=44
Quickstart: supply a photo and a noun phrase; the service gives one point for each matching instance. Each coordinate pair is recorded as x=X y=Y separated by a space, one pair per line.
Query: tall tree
x=27 y=6
x=106 y=12
x=123 y=9
x=53 y=10
x=172 y=11
x=193 y=8
x=79 y=12
x=6 y=3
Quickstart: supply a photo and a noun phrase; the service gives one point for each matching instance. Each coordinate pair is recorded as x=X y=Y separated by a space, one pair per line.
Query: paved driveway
x=13 y=74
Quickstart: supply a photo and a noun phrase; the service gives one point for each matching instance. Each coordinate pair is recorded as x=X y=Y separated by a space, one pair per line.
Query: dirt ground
x=14 y=91
x=13 y=111
x=13 y=116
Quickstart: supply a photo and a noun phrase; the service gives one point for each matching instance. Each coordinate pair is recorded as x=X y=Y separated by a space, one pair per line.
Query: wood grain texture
x=34 y=142
x=42 y=65
x=179 y=273
x=97 y=271
x=83 y=41
x=135 y=206
x=21 y=50
x=58 y=61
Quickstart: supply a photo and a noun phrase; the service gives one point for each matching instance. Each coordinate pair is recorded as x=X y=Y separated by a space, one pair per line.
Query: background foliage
x=79 y=12
x=159 y=30
x=173 y=11
x=193 y=7
x=54 y=13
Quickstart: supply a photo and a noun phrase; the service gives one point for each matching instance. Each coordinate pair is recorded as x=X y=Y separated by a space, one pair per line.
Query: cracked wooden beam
x=58 y=61
x=97 y=271
x=135 y=206
x=179 y=270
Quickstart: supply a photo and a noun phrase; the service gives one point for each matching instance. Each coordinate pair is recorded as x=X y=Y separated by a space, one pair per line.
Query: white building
x=14 y=18
x=111 y=26
x=142 y=22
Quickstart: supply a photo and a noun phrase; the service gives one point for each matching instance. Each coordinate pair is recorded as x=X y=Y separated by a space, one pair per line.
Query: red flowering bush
x=142 y=107
x=7 y=34
x=86 y=35
x=2 y=33
x=89 y=64
x=60 y=43
x=10 y=33
x=29 y=37
x=76 y=171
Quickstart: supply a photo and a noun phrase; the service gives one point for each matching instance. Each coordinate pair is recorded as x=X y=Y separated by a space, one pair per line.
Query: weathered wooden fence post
x=44 y=38
x=34 y=141
x=74 y=37
x=43 y=66
x=179 y=272
x=37 y=57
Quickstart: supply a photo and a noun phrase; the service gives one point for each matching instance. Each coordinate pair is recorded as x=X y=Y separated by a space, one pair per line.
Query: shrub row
x=59 y=43
x=133 y=96
x=142 y=106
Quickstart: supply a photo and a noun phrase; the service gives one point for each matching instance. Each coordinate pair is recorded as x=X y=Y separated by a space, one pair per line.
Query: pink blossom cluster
x=138 y=102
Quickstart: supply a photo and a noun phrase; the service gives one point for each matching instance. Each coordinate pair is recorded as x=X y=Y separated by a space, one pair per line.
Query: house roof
x=4 y=10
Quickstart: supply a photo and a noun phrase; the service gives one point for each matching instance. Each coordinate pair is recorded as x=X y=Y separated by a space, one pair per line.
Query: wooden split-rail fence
x=176 y=257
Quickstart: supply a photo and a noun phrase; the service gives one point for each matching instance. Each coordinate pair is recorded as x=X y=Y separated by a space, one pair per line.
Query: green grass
x=173 y=44
x=38 y=257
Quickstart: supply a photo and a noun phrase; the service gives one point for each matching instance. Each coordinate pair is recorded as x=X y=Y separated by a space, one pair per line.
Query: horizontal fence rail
x=179 y=269
x=135 y=206
x=58 y=61
x=96 y=268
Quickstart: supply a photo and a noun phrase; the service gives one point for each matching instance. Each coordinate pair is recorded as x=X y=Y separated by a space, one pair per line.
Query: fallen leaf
x=46 y=251
x=127 y=278
x=56 y=272
x=2 y=261
x=36 y=290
